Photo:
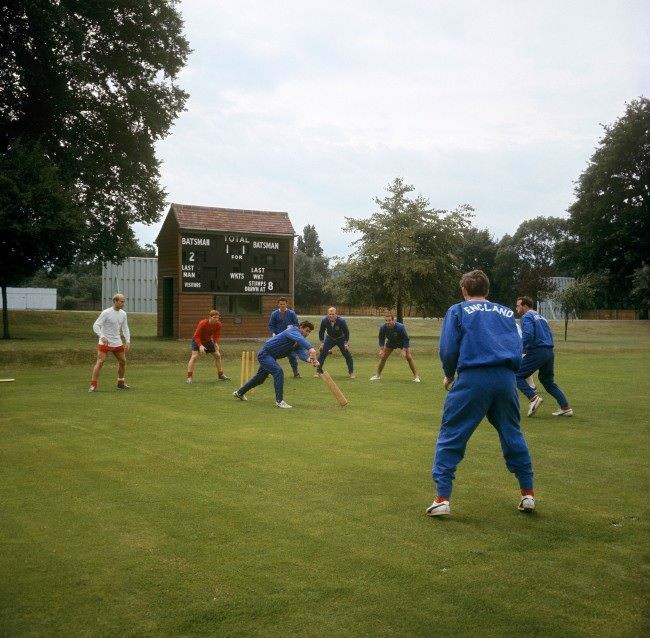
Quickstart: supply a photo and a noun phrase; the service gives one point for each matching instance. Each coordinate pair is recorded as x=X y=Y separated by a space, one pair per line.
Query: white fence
x=30 y=299
x=137 y=279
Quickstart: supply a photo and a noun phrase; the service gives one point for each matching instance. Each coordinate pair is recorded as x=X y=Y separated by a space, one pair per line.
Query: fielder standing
x=109 y=327
x=280 y=320
x=539 y=355
x=392 y=335
x=334 y=331
x=290 y=340
x=479 y=341
x=206 y=339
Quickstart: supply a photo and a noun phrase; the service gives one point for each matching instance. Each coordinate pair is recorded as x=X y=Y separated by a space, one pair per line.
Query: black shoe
x=123 y=386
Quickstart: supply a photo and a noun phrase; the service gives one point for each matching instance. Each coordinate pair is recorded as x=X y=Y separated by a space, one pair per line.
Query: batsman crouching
x=291 y=340
x=479 y=340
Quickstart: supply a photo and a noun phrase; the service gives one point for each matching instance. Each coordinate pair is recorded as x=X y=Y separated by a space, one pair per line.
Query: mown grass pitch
x=177 y=510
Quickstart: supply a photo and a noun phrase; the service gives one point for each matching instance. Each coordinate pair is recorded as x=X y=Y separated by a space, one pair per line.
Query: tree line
x=409 y=253
x=86 y=91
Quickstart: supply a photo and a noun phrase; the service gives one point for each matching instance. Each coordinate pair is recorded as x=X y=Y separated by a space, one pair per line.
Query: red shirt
x=205 y=332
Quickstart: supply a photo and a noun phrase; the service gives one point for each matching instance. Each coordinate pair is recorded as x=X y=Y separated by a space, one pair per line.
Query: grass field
x=175 y=510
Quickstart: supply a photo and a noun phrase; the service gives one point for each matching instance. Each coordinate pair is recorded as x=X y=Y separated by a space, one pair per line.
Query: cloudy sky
x=314 y=108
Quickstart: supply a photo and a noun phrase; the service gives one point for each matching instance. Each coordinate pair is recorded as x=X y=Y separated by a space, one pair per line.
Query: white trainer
x=565 y=412
x=352 y=375
x=526 y=504
x=438 y=509
x=534 y=405
x=188 y=380
x=283 y=404
x=375 y=377
x=241 y=397
x=416 y=379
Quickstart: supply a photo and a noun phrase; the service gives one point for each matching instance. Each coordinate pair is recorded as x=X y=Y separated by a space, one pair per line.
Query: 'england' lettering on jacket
x=483 y=307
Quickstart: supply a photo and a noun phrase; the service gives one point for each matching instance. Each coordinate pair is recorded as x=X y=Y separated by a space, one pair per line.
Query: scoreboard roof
x=232 y=220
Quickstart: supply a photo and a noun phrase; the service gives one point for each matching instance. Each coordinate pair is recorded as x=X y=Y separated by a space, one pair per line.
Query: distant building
x=136 y=278
x=30 y=299
x=238 y=261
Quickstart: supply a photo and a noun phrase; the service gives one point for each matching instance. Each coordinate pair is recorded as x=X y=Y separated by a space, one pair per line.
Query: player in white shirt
x=109 y=327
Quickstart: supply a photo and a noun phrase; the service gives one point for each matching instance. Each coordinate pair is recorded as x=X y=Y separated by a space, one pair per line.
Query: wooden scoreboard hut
x=237 y=261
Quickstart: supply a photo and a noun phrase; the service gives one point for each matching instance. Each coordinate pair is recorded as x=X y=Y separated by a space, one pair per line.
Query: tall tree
x=309 y=243
x=406 y=252
x=93 y=84
x=525 y=261
x=478 y=250
x=611 y=215
x=39 y=219
x=575 y=297
x=311 y=268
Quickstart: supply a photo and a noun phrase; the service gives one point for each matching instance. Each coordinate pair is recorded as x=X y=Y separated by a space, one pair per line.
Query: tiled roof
x=232 y=220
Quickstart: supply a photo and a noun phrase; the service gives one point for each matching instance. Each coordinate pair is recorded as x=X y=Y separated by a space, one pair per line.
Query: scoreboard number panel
x=234 y=263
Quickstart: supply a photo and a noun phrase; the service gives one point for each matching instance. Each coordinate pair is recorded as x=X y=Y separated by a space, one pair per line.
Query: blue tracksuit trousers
x=328 y=344
x=541 y=359
x=268 y=365
x=477 y=393
x=293 y=361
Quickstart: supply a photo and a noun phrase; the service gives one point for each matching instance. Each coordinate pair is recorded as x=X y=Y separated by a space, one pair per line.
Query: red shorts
x=102 y=348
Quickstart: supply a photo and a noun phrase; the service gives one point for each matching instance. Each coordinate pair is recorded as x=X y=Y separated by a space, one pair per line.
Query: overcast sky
x=314 y=108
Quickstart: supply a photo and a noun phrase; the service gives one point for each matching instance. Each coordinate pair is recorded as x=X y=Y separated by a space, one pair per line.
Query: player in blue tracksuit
x=280 y=320
x=538 y=346
x=479 y=342
x=290 y=340
x=334 y=331
x=392 y=335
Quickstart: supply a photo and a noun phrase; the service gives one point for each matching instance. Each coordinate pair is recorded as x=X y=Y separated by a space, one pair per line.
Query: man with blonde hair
x=109 y=327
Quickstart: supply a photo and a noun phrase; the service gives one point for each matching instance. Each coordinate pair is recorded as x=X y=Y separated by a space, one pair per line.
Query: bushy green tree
x=93 y=85
x=39 y=219
x=641 y=289
x=611 y=215
x=525 y=261
x=575 y=297
x=311 y=269
x=407 y=251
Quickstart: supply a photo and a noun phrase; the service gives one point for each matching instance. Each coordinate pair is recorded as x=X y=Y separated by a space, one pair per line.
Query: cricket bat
x=333 y=388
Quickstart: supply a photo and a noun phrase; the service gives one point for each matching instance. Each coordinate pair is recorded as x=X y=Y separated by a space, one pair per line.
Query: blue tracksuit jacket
x=478 y=334
x=277 y=323
x=535 y=331
x=479 y=340
x=395 y=337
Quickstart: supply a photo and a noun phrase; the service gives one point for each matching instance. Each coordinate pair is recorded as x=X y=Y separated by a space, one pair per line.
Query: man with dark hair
x=537 y=341
x=392 y=335
x=206 y=339
x=280 y=320
x=334 y=331
x=479 y=341
x=290 y=340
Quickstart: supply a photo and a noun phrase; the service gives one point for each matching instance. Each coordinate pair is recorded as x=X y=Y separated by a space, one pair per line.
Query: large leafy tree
x=525 y=261
x=39 y=220
x=407 y=251
x=93 y=82
x=86 y=88
x=611 y=215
